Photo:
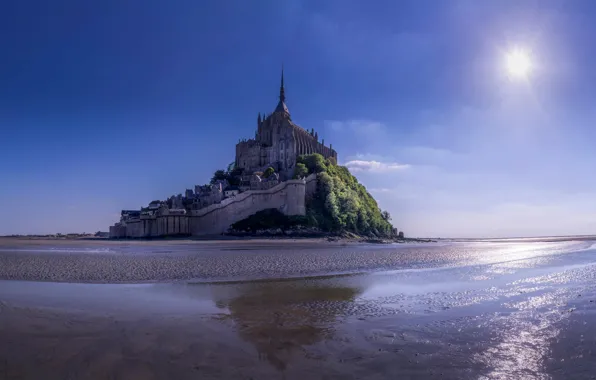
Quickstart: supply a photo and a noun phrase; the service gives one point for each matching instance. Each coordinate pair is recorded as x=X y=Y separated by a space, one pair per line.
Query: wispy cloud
x=380 y=190
x=374 y=166
x=482 y=172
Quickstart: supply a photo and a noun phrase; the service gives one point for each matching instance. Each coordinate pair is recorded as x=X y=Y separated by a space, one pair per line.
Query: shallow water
x=477 y=310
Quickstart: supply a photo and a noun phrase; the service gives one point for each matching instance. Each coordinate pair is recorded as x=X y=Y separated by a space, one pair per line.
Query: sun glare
x=518 y=63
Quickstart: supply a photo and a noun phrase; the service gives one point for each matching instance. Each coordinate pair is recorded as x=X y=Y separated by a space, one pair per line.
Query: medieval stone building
x=211 y=209
x=278 y=142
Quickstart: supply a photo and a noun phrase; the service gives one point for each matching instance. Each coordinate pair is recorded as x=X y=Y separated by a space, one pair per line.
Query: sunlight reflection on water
x=524 y=341
x=507 y=298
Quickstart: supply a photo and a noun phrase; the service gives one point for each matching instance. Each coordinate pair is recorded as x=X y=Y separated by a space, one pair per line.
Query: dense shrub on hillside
x=340 y=202
x=268 y=172
x=300 y=171
x=231 y=175
x=268 y=219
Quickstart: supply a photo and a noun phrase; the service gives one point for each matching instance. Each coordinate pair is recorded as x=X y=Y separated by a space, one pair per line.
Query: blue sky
x=108 y=105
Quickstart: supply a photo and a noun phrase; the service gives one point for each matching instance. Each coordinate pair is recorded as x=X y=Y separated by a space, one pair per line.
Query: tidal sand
x=295 y=310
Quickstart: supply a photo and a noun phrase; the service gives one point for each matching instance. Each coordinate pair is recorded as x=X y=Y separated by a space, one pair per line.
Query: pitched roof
x=281 y=107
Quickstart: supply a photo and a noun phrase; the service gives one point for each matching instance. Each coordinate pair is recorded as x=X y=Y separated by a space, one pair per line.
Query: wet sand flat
x=165 y=261
x=472 y=311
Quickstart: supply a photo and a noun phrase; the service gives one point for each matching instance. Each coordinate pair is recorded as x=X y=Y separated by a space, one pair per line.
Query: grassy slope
x=339 y=205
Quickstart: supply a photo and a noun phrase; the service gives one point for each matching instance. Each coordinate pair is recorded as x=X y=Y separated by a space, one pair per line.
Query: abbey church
x=278 y=142
x=212 y=208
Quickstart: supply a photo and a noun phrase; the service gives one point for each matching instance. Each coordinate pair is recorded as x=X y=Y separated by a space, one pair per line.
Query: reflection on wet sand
x=521 y=346
x=523 y=320
x=279 y=318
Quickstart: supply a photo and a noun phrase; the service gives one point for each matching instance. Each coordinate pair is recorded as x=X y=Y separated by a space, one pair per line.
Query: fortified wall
x=289 y=197
x=311 y=184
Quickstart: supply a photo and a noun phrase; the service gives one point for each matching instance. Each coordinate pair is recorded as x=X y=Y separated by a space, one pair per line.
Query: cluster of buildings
x=206 y=195
x=277 y=143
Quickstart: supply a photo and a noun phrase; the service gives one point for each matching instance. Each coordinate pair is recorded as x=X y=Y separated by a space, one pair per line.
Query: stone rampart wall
x=288 y=197
x=311 y=184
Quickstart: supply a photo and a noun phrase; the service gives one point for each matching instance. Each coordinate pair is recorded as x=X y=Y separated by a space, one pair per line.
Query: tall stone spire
x=282 y=92
x=281 y=106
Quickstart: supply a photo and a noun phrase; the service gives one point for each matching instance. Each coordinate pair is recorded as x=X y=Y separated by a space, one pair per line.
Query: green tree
x=268 y=172
x=219 y=175
x=386 y=216
x=331 y=161
x=300 y=171
x=315 y=163
x=339 y=204
x=268 y=219
x=237 y=172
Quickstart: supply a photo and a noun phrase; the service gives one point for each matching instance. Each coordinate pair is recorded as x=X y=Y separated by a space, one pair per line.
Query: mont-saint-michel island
x=284 y=177
x=236 y=244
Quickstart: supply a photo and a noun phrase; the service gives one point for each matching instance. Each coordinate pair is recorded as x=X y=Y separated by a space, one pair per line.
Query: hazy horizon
x=108 y=106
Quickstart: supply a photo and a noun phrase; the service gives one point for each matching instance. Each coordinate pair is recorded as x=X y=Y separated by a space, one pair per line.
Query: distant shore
x=247 y=238
x=293 y=237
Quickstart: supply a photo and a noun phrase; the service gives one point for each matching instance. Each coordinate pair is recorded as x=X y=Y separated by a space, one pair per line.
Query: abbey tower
x=278 y=142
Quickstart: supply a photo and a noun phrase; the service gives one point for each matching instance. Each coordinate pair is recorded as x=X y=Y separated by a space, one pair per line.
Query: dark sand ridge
x=155 y=261
x=159 y=261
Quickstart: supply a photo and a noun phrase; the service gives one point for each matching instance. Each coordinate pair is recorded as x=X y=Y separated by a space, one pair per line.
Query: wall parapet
x=289 y=197
x=244 y=195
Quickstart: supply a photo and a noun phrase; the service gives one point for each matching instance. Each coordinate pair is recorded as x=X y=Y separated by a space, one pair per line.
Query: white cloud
x=374 y=166
x=380 y=190
x=508 y=169
x=369 y=157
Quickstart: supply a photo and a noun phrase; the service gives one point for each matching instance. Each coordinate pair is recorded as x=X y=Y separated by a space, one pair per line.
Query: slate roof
x=281 y=107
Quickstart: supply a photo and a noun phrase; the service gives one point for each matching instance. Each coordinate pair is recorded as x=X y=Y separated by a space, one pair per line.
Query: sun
x=518 y=63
